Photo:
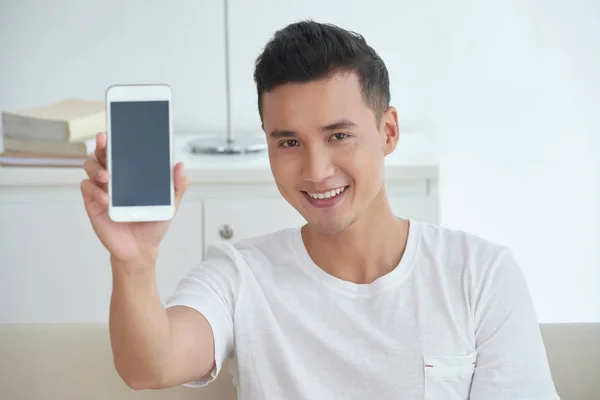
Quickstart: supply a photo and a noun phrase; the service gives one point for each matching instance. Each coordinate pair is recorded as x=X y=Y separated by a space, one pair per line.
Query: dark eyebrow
x=279 y=134
x=341 y=124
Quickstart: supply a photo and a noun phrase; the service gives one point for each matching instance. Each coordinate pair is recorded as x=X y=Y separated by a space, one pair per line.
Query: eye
x=339 y=136
x=289 y=143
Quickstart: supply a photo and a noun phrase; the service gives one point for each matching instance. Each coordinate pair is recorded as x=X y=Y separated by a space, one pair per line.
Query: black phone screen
x=140 y=153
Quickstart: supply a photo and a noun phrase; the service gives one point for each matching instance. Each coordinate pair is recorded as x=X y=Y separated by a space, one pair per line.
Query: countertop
x=413 y=159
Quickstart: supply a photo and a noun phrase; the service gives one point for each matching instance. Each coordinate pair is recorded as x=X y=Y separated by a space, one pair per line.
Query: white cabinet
x=54 y=269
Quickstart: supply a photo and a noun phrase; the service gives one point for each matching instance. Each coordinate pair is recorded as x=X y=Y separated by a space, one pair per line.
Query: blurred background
x=509 y=90
x=505 y=93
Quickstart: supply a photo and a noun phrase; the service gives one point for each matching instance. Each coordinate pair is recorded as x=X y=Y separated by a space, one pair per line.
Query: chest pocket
x=448 y=377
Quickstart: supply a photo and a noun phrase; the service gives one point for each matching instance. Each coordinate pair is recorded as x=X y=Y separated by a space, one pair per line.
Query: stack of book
x=61 y=134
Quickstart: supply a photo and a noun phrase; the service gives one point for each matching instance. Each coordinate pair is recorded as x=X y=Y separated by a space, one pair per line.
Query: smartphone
x=139 y=153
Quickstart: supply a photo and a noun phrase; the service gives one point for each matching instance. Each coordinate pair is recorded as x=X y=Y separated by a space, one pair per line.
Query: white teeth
x=327 y=195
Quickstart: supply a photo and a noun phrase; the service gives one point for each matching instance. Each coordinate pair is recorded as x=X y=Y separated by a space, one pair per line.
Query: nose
x=317 y=164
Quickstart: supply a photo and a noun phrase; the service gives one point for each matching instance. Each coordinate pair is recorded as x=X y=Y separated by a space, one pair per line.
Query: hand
x=126 y=242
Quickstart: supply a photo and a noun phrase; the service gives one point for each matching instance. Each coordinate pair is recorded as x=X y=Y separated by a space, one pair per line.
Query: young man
x=357 y=303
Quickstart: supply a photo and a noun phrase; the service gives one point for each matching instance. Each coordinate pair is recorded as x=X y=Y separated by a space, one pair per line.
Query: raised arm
x=154 y=347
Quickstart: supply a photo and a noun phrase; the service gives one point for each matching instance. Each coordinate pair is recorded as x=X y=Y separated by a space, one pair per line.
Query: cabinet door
x=54 y=269
x=243 y=218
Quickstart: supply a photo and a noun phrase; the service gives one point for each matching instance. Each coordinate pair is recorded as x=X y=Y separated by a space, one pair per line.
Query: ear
x=389 y=129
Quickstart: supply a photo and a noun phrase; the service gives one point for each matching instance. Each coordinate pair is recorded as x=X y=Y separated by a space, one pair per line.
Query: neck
x=368 y=249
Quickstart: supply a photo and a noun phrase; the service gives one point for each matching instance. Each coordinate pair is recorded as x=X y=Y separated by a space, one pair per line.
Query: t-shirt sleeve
x=511 y=357
x=211 y=288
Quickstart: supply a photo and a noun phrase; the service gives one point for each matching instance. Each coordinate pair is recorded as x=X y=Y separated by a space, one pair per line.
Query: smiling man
x=356 y=304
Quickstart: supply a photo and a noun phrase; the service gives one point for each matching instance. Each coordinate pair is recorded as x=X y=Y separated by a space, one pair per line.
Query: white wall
x=509 y=90
x=60 y=48
x=411 y=36
x=518 y=121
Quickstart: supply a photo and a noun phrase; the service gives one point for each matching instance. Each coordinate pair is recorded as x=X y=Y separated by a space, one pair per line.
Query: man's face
x=326 y=150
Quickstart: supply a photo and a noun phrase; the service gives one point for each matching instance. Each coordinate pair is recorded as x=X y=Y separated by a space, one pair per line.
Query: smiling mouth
x=329 y=194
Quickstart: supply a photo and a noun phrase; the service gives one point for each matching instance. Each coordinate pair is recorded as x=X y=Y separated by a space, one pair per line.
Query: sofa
x=68 y=362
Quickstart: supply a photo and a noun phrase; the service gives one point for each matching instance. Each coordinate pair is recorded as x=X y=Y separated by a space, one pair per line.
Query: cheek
x=283 y=169
x=366 y=169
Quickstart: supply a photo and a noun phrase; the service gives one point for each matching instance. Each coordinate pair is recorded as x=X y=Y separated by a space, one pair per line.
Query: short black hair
x=308 y=51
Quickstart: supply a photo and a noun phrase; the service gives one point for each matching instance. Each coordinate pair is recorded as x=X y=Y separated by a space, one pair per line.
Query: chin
x=330 y=227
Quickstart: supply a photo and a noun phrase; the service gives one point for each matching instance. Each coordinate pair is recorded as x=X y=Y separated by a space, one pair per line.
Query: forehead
x=316 y=103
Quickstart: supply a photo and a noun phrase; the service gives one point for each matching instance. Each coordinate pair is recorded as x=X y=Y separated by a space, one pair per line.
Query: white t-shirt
x=454 y=320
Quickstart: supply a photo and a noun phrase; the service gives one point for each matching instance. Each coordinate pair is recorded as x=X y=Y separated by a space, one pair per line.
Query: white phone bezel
x=139 y=93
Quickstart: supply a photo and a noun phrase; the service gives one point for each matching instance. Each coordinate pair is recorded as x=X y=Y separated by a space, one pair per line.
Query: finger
x=95 y=171
x=181 y=182
x=100 y=152
x=92 y=193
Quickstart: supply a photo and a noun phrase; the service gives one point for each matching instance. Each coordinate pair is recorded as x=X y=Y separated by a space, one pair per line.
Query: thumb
x=181 y=183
